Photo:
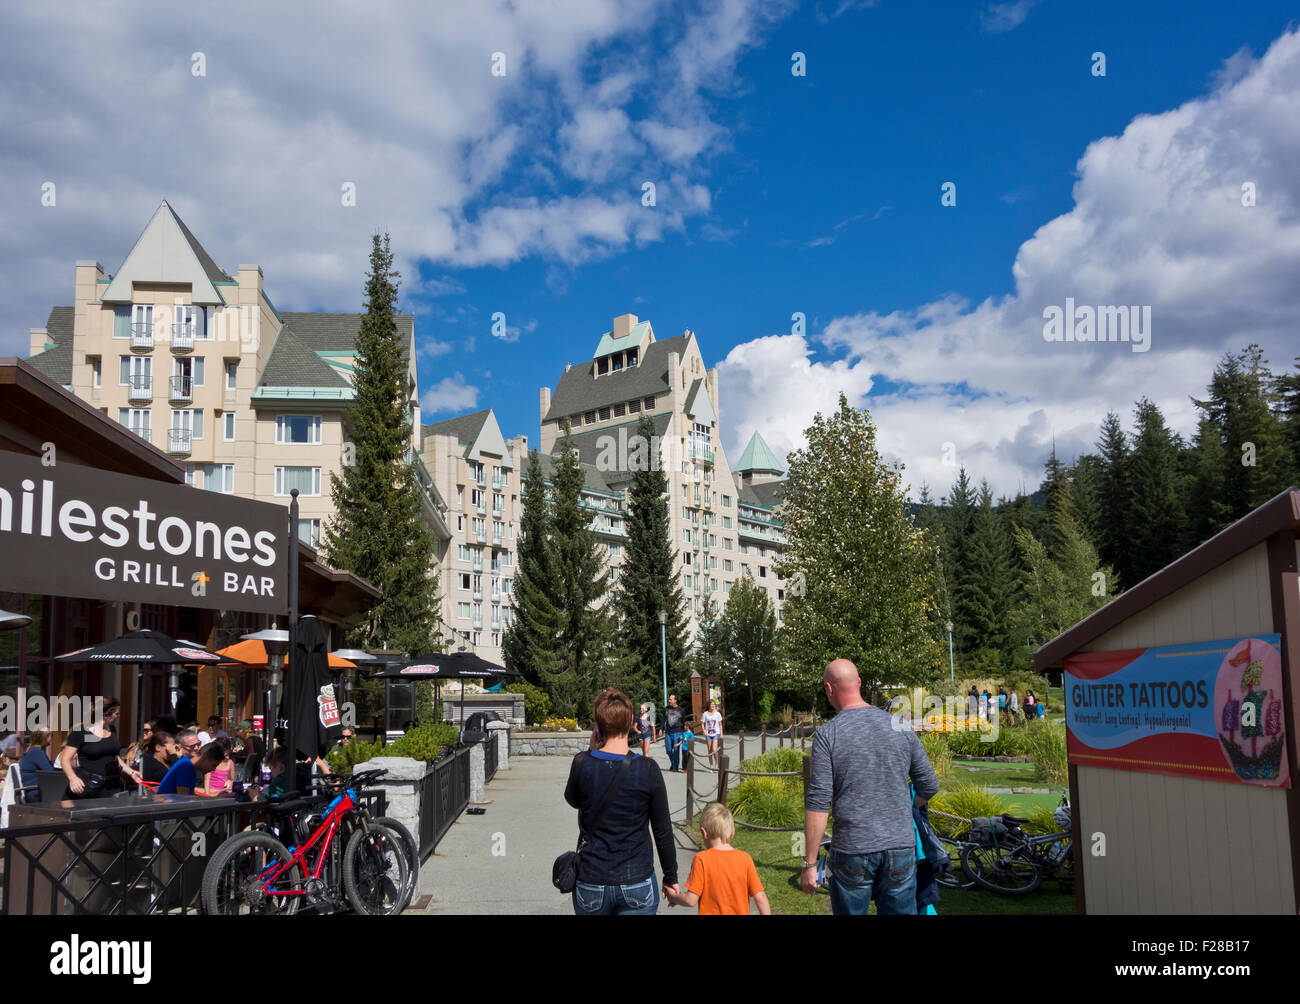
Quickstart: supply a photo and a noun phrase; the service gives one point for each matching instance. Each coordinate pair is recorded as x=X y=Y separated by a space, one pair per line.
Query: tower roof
x=758 y=456
x=168 y=252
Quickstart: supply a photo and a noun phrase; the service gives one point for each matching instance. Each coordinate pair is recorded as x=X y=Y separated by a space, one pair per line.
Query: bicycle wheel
x=233 y=880
x=374 y=871
x=412 y=852
x=999 y=870
x=953 y=877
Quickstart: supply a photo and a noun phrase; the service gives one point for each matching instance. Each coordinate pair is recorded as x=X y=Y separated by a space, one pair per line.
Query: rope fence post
x=690 y=792
x=722 y=778
x=742 y=745
x=762 y=739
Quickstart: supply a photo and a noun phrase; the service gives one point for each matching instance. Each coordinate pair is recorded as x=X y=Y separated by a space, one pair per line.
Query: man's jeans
x=888 y=876
x=637 y=899
x=673 y=744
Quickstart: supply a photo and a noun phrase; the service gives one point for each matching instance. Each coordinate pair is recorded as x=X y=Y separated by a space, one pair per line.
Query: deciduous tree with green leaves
x=377 y=530
x=868 y=584
x=750 y=634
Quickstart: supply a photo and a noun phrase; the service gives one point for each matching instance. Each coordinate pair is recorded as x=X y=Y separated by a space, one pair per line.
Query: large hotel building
x=252 y=400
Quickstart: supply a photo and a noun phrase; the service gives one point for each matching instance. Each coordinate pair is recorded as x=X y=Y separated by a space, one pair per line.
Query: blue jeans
x=887 y=876
x=673 y=744
x=641 y=899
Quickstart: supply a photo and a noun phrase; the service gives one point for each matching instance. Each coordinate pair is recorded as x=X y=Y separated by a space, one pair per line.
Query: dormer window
x=618 y=363
x=631 y=357
x=602 y=366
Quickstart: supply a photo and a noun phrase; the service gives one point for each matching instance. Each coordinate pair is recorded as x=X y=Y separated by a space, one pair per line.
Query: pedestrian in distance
x=674 y=726
x=862 y=766
x=1013 y=707
x=723 y=880
x=712 y=720
x=972 y=702
x=645 y=729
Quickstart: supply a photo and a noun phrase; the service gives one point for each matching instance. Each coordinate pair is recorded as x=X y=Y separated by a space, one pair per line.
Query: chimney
x=674 y=373
x=623 y=325
x=545 y=397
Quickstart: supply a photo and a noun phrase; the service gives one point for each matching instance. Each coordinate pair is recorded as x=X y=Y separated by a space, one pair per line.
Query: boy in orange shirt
x=722 y=879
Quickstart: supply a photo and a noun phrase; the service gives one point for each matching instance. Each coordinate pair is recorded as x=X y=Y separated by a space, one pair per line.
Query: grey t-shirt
x=861 y=763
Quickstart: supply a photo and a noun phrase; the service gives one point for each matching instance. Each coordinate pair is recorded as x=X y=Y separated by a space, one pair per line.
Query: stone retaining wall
x=548 y=743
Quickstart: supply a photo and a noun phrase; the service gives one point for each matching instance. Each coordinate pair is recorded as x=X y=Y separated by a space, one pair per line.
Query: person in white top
x=712 y=720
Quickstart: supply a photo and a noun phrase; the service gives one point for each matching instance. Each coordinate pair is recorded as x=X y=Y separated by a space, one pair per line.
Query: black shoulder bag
x=564 y=873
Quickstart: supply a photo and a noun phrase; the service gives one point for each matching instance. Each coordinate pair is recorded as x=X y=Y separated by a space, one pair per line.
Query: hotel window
x=462 y=610
x=744 y=548
x=604 y=414
x=726 y=564
x=620 y=410
x=713 y=585
x=589 y=418
x=498 y=503
x=686 y=557
x=686 y=535
x=726 y=522
x=229 y=420
x=188 y=420
x=305 y=479
x=507 y=586
x=462 y=552
x=685 y=494
x=762 y=571
x=686 y=581
x=460 y=523
x=713 y=540
x=602 y=366
x=142 y=315
x=726 y=501
x=510 y=555
x=309 y=532
x=634 y=406
x=713 y=561
x=191 y=475
x=135 y=419
x=498 y=532
x=96 y=371
x=780 y=594
x=726 y=586
x=496 y=639
x=232 y=374
x=648 y=404
x=221 y=478
x=617 y=363
x=686 y=513
x=478 y=498
x=304 y=429
x=462 y=579
x=135 y=372
x=726 y=543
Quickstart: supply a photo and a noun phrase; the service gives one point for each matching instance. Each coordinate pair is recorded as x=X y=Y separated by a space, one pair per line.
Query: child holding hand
x=723 y=880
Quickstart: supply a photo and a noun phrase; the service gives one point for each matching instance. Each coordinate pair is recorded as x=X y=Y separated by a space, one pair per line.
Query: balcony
x=706 y=545
x=478 y=594
x=142 y=336
x=697 y=589
x=182 y=338
x=477 y=563
x=182 y=390
x=178 y=442
x=478 y=622
x=708 y=500
x=140 y=388
x=143 y=431
x=697 y=496
x=480 y=479
x=702 y=452
x=496 y=596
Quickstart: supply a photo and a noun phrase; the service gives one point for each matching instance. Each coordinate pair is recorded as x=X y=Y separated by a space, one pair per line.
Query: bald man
x=861 y=764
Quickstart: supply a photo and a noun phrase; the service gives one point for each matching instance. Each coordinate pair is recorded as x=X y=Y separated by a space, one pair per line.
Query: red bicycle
x=254 y=873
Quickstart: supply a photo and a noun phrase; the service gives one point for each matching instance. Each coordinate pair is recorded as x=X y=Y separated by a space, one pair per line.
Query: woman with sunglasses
x=92 y=757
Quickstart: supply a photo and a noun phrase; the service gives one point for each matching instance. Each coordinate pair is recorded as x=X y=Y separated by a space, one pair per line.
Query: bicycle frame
x=323 y=835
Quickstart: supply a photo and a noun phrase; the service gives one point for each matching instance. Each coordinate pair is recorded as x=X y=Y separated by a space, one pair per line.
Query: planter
x=548 y=743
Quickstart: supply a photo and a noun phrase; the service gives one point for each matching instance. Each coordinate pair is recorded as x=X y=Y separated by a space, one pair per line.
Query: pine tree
x=993 y=576
x=1058 y=498
x=531 y=638
x=931 y=521
x=1207 y=513
x=1114 y=498
x=1286 y=390
x=585 y=645
x=1086 y=479
x=1157 y=523
x=862 y=566
x=377 y=530
x=648 y=581
x=749 y=631
x=958 y=536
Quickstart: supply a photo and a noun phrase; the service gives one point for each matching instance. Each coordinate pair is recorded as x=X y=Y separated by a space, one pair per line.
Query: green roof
x=758 y=456
x=608 y=343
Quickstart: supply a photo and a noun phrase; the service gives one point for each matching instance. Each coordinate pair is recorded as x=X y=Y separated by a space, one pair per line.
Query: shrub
x=967 y=801
x=784 y=717
x=537 y=702
x=765 y=702
x=768 y=801
x=561 y=724
x=779 y=760
x=1046 y=741
x=424 y=742
x=936 y=748
x=1040 y=820
x=344 y=759
x=1026 y=680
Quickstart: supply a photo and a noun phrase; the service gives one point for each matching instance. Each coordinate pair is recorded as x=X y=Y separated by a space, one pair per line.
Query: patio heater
x=276 y=642
x=12 y=622
x=359 y=657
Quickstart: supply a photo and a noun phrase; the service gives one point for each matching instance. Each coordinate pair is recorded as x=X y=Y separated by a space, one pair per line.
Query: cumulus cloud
x=1000 y=17
x=1158 y=220
x=450 y=394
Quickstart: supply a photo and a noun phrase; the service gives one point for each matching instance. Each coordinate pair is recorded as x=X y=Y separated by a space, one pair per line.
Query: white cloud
x=1000 y=17
x=433 y=348
x=450 y=394
x=458 y=165
x=1157 y=220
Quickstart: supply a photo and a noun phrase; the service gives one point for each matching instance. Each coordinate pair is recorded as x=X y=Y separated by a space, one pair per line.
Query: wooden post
x=803 y=746
x=690 y=788
x=722 y=778
x=742 y=745
x=762 y=740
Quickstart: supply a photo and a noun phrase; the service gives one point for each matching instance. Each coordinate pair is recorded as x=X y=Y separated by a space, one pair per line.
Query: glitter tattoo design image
x=1248 y=695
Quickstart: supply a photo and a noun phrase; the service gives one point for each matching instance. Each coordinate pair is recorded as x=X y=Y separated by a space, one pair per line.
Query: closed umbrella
x=309 y=707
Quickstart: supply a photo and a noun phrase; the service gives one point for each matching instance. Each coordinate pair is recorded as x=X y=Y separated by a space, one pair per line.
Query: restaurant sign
x=69 y=530
x=1208 y=709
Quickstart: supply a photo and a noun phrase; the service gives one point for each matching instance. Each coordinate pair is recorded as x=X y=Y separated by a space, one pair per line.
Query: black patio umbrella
x=152 y=647
x=309 y=707
x=448 y=666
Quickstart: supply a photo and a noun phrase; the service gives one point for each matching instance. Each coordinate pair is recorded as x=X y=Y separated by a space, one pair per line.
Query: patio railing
x=444 y=795
x=490 y=756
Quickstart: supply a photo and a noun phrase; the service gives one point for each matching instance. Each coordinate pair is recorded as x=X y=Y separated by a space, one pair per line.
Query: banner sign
x=1209 y=709
x=69 y=530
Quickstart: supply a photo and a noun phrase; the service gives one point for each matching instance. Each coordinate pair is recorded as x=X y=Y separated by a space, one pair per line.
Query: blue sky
x=775 y=193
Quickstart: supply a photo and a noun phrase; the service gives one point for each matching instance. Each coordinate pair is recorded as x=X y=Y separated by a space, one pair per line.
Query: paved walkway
x=500 y=862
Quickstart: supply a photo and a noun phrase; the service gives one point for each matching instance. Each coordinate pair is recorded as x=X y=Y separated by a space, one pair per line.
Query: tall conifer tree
x=377 y=531
x=1114 y=498
x=531 y=637
x=1158 y=521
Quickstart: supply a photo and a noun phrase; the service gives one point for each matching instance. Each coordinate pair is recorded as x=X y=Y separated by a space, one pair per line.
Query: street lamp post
x=663 y=649
x=951 y=678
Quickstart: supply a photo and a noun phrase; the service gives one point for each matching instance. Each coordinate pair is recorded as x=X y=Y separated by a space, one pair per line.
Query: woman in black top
x=160 y=752
x=92 y=758
x=616 y=866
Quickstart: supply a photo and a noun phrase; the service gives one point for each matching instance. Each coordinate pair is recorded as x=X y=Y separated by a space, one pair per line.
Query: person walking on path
x=1013 y=707
x=674 y=726
x=712 y=730
x=861 y=764
x=616 y=866
x=972 y=702
x=723 y=880
x=645 y=729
